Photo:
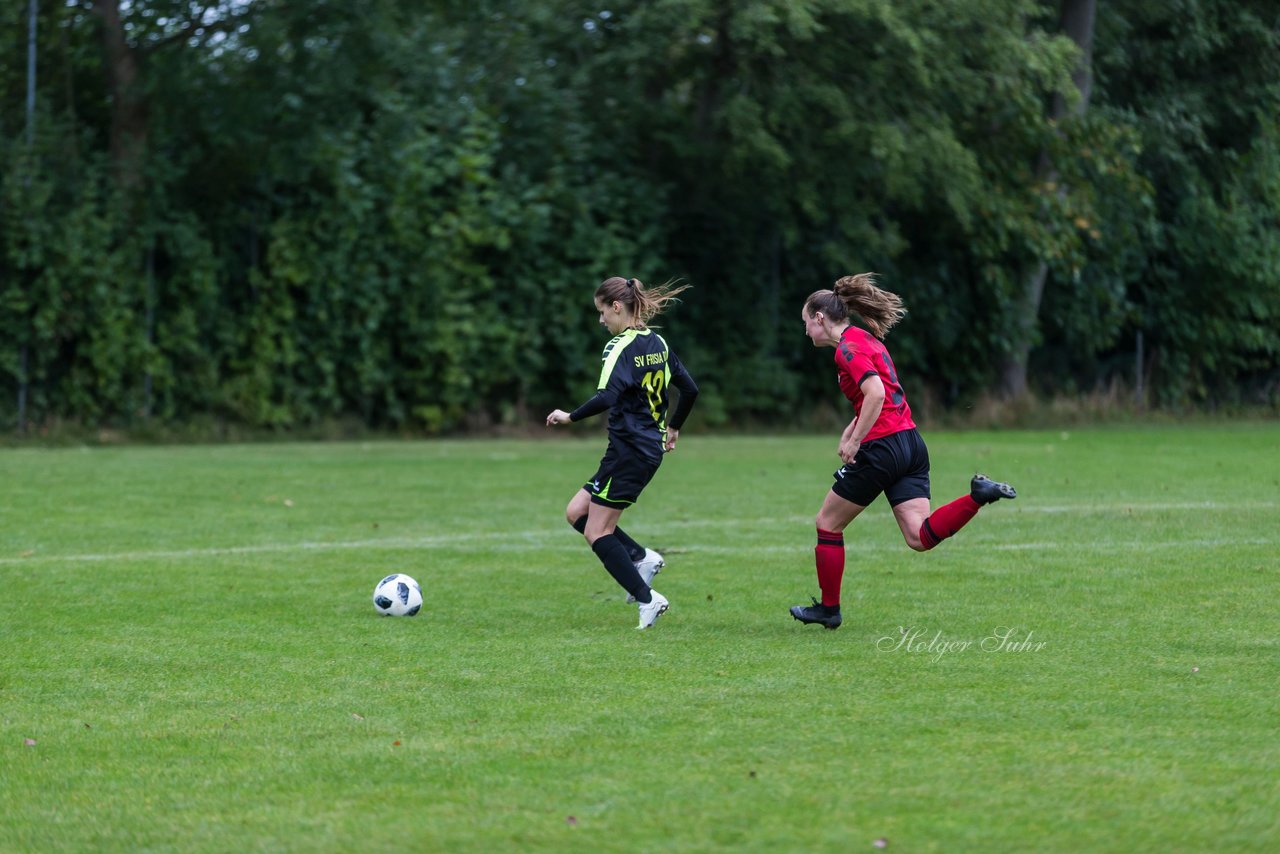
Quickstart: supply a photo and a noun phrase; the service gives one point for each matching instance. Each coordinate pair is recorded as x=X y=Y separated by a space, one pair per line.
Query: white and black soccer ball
x=397 y=596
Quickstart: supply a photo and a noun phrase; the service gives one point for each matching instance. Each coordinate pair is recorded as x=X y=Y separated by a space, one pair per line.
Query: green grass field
x=189 y=659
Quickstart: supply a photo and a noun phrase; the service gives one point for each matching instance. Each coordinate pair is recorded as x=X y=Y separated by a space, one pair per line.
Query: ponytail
x=645 y=303
x=879 y=309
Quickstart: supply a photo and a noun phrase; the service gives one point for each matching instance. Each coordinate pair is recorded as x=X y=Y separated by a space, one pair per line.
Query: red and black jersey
x=860 y=355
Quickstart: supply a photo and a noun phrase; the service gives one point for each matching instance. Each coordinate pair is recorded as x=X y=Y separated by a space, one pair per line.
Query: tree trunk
x=1013 y=373
x=1077 y=23
x=711 y=99
x=129 y=119
x=23 y=382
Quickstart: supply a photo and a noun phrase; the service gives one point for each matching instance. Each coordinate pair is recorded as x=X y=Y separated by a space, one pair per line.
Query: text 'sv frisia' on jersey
x=637 y=373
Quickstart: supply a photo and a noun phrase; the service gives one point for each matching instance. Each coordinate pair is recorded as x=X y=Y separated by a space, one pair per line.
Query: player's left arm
x=683 y=382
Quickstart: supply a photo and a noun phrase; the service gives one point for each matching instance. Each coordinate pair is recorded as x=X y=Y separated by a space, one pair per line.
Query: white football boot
x=652 y=610
x=648 y=566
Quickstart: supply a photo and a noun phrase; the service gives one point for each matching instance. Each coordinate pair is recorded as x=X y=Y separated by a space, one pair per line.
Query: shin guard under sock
x=947 y=520
x=633 y=548
x=829 y=557
x=615 y=559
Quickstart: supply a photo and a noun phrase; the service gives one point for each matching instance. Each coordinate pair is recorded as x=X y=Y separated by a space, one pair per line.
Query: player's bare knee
x=835 y=526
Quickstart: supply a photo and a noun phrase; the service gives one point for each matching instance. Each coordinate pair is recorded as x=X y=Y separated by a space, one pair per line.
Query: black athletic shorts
x=897 y=465
x=622 y=475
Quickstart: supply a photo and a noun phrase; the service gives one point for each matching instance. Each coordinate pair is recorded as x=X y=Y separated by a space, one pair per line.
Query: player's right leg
x=836 y=514
x=647 y=561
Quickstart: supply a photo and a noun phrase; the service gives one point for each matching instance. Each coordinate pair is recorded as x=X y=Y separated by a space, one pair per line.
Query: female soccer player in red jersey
x=881 y=449
x=639 y=370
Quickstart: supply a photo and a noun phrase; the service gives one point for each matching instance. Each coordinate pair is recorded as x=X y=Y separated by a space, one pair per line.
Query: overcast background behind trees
x=394 y=213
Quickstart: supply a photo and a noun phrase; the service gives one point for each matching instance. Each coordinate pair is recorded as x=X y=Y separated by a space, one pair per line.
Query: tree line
x=277 y=214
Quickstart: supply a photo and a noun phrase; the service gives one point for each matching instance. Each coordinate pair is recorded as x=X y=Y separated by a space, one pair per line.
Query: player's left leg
x=910 y=515
x=576 y=513
x=930 y=529
x=649 y=565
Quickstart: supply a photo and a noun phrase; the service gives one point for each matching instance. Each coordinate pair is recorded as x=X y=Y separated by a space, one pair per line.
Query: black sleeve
x=615 y=383
x=682 y=380
x=598 y=403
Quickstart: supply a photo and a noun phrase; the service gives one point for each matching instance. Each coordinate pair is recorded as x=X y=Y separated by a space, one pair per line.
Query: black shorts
x=622 y=475
x=897 y=465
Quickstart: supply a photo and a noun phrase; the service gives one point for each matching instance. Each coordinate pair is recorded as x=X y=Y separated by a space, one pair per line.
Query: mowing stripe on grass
x=545 y=539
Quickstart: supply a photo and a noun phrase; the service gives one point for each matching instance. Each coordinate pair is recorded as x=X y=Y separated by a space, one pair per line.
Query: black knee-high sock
x=633 y=548
x=614 y=557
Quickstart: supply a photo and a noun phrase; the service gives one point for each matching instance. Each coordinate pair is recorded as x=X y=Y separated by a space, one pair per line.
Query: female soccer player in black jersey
x=639 y=369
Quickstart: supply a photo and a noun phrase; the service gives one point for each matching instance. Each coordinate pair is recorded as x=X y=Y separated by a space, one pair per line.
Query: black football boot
x=984 y=490
x=823 y=615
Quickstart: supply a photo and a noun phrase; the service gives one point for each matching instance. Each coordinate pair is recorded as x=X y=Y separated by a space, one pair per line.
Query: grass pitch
x=189 y=660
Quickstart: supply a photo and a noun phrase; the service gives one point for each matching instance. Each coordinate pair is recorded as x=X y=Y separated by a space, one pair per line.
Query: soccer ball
x=397 y=596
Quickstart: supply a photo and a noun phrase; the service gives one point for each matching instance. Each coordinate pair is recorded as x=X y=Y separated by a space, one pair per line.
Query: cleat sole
x=806 y=621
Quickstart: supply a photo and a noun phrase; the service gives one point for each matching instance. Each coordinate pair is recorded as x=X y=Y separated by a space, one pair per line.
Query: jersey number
x=654 y=384
x=893 y=375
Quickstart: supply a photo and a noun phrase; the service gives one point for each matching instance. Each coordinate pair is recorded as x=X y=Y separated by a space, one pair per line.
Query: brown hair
x=879 y=309
x=645 y=303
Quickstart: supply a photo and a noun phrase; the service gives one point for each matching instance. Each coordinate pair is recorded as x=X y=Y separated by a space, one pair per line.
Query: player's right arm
x=613 y=381
x=597 y=403
x=844 y=437
x=872 y=402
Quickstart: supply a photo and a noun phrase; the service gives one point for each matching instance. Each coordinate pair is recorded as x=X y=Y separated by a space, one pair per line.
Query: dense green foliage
x=190 y=661
x=282 y=214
